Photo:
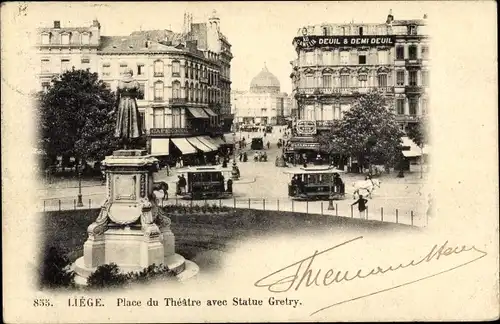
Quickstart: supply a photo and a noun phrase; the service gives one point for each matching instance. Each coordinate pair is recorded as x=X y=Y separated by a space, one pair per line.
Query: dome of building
x=265 y=81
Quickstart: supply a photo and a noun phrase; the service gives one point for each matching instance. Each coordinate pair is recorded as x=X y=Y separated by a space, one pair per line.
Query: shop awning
x=160 y=146
x=218 y=141
x=197 y=112
x=184 y=146
x=198 y=144
x=414 y=150
x=210 y=112
x=208 y=142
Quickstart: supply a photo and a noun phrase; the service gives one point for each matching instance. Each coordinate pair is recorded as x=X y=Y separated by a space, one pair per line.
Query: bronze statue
x=128 y=123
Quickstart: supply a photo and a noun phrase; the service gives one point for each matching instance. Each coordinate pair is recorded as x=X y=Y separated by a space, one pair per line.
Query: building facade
x=184 y=103
x=263 y=104
x=337 y=63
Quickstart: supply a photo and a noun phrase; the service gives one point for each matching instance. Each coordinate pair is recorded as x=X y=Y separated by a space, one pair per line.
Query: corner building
x=337 y=63
x=184 y=78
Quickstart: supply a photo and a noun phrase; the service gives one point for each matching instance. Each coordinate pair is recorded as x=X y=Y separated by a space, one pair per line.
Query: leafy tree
x=74 y=116
x=418 y=133
x=54 y=270
x=367 y=131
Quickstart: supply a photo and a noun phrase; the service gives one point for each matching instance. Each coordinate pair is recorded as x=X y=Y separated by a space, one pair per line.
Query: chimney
x=390 y=17
x=425 y=16
x=57 y=24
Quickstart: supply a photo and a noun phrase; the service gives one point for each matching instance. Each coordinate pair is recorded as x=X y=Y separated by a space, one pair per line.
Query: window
x=400 y=53
x=362 y=59
x=363 y=78
x=45 y=66
x=400 y=78
x=159 y=91
x=413 y=78
x=176 y=118
x=319 y=58
x=360 y=31
x=413 y=106
x=176 y=89
x=140 y=69
x=412 y=52
x=344 y=81
x=85 y=39
x=186 y=90
x=325 y=31
x=45 y=39
x=45 y=86
x=309 y=81
x=343 y=31
x=186 y=70
x=327 y=81
x=106 y=69
x=425 y=78
x=158 y=69
x=85 y=63
x=425 y=52
x=158 y=118
x=400 y=106
x=142 y=91
x=412 y=30
x=176 y=68
x=424 y=106
x=382 y=57
x=382 y=80
x=191 y=93
x=65 y=39
x=64 y=65
x=344 y=57
x=309 y=58
x=327 y=58
x=123 y=67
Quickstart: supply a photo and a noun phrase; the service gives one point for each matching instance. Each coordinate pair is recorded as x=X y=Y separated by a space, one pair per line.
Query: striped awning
x=184 y=146
x=208 y=142
x=198 y=144
x=197 y=112
x=210 y=112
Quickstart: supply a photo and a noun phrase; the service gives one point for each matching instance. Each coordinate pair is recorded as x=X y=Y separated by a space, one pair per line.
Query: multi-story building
x=337 y=63
x=264 y=104
x=182 y=103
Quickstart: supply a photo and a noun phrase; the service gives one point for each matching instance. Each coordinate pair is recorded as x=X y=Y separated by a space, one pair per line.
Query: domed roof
x=265 y=81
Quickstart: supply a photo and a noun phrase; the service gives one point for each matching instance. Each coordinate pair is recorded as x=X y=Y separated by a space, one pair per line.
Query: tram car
x=212 y=182
x=316 y=183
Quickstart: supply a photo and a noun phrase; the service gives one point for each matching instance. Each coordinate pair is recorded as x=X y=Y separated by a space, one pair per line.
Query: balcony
x=407 y=118
x=158 y=99
x=414 y=89
x=177 y=101
x=174 y=132
x=204 y=80
x=158 y=74
x=413 y=62
x=342 y=91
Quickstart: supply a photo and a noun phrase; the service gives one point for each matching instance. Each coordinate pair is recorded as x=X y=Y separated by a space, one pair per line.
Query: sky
x=258 y=31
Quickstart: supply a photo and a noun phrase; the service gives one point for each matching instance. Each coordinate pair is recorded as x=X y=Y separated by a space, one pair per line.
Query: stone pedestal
x=131 y=230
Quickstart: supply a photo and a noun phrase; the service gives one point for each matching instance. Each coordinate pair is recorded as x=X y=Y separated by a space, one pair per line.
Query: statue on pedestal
x=128 y=123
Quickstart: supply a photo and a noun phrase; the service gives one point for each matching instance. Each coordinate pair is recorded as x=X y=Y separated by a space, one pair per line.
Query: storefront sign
x=306 y=127
x=305 y=146
x=341 y=41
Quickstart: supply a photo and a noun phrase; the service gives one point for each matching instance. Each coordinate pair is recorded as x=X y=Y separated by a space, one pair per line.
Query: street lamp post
x=234 y=173
x=79 y=200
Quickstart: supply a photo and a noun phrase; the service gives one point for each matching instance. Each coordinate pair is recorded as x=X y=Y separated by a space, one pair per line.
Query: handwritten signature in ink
x=276 y=282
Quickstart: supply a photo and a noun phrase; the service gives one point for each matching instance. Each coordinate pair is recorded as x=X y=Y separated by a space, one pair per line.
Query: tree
x=368 y=131
x=74 y=116
x=418 y=133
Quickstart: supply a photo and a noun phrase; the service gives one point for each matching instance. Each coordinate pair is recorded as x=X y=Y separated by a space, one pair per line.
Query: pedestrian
x=224 y=162
x=245 y=157
x=268 y=145
x=361 y=202
x=240 y=156
x=182 y=183
x=178 y=189
x=217 y=159
x=181 y=162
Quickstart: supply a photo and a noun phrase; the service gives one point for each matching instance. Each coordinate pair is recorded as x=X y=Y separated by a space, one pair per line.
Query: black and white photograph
x=249 y=161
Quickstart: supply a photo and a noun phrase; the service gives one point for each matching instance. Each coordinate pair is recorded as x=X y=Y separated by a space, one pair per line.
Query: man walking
x=361 y=206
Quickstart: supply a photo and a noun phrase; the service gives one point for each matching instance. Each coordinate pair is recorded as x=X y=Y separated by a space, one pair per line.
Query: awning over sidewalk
x=160 y=146
x=208 y=142
x=184 y=146
x=210 y=112
x=197 y=112
x=198 y=144
x=413 y=150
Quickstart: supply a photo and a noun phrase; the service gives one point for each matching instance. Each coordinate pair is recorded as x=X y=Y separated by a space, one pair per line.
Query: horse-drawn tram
x=315 y=182
x=205 y=183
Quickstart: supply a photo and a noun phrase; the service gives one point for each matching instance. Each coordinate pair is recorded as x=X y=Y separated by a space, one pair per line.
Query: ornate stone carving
x=143 y=185
x=97 y=228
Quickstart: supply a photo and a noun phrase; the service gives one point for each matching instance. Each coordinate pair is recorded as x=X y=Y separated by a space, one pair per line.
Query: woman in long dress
x=128 y=123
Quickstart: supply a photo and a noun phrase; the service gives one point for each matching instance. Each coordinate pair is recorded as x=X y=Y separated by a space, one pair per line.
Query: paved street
x=263 y=180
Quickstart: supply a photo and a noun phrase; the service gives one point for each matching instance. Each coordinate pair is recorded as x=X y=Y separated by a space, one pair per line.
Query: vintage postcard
x=249 y=161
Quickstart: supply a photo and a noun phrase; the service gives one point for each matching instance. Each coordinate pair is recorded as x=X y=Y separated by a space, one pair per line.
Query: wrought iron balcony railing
x=343 y=90
x=177 y=101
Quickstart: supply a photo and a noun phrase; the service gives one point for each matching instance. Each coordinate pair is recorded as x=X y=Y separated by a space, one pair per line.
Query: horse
x=163 y=187
x=368 y=185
